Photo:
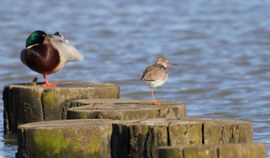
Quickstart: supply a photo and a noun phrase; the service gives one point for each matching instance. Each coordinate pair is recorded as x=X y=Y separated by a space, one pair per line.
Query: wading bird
x=156 y=75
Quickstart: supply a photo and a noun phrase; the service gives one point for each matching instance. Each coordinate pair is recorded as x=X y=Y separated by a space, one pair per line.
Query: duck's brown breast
x=41 y=58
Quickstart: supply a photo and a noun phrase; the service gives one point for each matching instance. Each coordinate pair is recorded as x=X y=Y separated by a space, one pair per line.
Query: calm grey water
x=222 y=49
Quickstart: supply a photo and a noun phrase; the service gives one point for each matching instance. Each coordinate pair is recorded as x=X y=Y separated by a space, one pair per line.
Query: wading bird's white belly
x=157 y=83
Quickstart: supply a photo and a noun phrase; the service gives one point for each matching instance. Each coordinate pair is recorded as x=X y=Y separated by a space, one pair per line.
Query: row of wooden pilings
x=88 y=120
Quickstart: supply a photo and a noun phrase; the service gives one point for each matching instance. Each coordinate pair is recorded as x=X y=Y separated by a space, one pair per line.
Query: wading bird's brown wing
x=154 y=72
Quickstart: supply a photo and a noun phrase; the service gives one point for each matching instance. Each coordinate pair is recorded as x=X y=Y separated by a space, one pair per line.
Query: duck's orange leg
x=47 y=83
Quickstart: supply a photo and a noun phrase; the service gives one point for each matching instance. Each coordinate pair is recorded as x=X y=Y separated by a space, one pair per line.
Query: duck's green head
x=36 y=37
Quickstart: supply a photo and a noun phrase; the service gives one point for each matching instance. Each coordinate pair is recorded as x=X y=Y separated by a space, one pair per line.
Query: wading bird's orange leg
x=155 y=102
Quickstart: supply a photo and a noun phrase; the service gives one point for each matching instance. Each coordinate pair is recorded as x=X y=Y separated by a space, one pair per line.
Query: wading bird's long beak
x=171 y=64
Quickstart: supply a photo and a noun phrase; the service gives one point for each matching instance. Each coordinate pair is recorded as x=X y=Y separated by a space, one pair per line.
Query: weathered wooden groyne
x=131 y=138
x=121 y=128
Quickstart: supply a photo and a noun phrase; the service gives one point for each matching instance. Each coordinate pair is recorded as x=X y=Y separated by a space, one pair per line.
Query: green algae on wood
x=200 y=151
x=185 y=132
x=54 y=100
x=49 y=141
x=69 y=142
x=124 y=109
x=25 y=103
x=66 y=138
x=169 y=152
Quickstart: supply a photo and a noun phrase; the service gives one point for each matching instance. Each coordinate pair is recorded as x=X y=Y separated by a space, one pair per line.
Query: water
x=221 y=48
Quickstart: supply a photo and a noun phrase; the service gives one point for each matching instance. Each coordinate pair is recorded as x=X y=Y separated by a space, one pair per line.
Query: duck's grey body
x=66 y=51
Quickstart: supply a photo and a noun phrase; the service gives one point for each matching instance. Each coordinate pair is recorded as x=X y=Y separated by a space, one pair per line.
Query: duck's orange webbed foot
x=47 y=83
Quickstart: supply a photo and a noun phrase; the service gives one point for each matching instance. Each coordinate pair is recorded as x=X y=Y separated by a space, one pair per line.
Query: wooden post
x=140 y=139
x=123 y=109
x=222 y=132
x=65 y=139
x=24 y=103
x=216 y=131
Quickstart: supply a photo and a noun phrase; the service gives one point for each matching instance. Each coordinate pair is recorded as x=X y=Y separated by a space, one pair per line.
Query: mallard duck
x=156 y=75
x=48 y=53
